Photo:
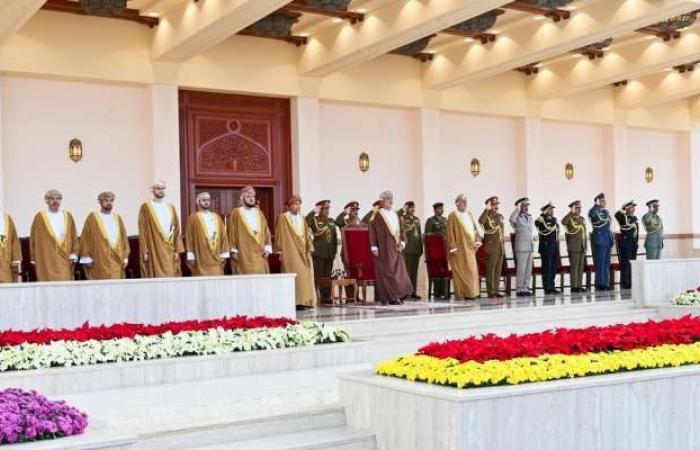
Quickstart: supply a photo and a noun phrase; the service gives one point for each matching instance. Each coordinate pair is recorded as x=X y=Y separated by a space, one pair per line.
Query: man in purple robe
x=387 y=239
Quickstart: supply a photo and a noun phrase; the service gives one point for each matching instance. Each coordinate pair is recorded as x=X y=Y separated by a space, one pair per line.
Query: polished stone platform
x=277 y=401
x=651 y=409
x=27 y=306
x=655 y=283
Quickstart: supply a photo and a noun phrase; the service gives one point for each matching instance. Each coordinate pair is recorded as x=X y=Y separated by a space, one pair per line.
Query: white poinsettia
x=689 y=298
x=214 y=341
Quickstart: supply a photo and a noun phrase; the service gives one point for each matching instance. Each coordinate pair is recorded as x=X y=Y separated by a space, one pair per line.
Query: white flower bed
x=690 y=298
x=214 y=341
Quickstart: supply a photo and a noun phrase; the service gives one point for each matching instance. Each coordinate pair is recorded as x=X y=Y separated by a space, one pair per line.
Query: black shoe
x=416 y=297
x=395 y=302
x=575 y=290
x=583 y=290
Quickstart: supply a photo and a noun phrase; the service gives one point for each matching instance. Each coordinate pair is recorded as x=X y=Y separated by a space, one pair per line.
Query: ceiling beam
x=528 y=41
x=658 y=88
x=192 y=27
x=383 y=30
x=67 y=6
x=160 y=7
x=624 y=62
x=350 y=16
x=15 y=13
x=555 y=14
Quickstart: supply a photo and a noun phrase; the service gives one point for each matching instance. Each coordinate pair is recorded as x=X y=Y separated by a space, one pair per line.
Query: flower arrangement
x=690 y=297
x=135 y=342
x=28 y=416
x=491 y=360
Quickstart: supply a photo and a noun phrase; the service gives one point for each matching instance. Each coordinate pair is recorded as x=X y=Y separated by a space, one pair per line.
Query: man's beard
x=249 y=203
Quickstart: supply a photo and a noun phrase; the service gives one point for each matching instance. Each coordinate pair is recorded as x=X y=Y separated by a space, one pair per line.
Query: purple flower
x=29 y=416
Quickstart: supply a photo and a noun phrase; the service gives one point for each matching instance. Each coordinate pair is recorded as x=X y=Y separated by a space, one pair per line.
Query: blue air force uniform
x=548 y=248
x=629 y=242
x=602 y=242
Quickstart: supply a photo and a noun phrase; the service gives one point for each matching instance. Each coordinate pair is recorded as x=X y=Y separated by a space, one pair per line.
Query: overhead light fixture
x=468 y=39
x=361 y=10
x=337 y=20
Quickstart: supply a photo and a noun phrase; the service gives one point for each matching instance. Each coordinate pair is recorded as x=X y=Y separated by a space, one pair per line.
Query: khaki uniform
x=576 y=247
x=492 y=224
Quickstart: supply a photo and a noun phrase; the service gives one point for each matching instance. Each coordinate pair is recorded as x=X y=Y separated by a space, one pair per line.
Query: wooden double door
x=231 y=141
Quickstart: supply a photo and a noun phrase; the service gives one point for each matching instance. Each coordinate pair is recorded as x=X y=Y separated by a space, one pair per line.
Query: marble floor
x=361 y=311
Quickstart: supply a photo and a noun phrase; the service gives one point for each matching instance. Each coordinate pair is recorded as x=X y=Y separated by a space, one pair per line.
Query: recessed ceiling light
x=468 y=39
x=152 y=14
x=361 y=10
x=538 y=17
x=337 y=20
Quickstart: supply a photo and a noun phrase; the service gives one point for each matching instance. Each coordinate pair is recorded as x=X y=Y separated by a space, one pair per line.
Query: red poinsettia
x=129 y=330
x=566 y=341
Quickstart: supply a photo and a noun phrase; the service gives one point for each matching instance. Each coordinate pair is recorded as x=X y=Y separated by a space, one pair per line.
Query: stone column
x=306 y=149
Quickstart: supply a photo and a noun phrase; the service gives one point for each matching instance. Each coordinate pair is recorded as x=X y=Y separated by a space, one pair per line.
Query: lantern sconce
x=364 y=162
x=649 y=175
x=475 y=167
x=569 y=171
x=75 y=150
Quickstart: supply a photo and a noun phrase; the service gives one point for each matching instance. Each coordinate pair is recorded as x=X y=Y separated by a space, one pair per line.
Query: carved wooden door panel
x=231 y=141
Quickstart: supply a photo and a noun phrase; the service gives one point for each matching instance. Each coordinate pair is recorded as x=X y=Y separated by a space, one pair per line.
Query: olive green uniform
x=576 y=247
x=436 y=225
x=325 y=241
x=492 y=223
x=414 y=247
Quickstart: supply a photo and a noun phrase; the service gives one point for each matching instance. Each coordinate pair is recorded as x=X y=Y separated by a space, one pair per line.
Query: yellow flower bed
x=450 y=372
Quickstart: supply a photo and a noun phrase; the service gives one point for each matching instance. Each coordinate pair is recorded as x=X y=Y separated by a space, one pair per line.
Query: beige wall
x=39 y=117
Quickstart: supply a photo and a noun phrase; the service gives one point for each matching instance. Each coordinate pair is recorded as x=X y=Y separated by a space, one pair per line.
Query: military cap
x=438 y=205
x=352 y=204
x=323 y=203
x=575 y=203
x=651 y=202
x=598 y=197
x=493 y=199
x=377 y=203
x=548 y=205
x=629 y=204
x=409 y=204
x=523 y=200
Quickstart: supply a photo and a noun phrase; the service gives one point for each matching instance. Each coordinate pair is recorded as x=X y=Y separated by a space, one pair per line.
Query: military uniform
x=414 y=247
x=629 y=242
x=523 y=247
x=325 y=240
x=375 y=207
x=602 y=242
x=492 y=223
x=654 y=227
x=342 y=219
x=576 y=246
x=548 y=231
x=436 y=225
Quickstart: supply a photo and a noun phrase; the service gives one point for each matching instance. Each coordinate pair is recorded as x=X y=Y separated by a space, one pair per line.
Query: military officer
x=315 y=212
x=523 y=247
x=492 y=223
x=375 y=207
x=342 y=219
x=654 y=227
x=325 y=237
x=629 y=241
x=602 y=242
x=548 y=231
x=437 y=224
x=414 y=243
x=576 y=244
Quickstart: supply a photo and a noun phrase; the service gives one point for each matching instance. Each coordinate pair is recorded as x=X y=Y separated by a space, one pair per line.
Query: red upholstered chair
x=359 y=262
x=436 y=260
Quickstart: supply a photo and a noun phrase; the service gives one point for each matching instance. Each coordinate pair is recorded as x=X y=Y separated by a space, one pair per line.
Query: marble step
x=59 y=381
x=370 y=328
x=150 y=410
x=341 y=438
x=98 y=436
x=242 y=430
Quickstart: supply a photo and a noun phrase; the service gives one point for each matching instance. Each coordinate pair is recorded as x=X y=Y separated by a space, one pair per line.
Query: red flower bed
x=129 y=330
x=566 y=341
